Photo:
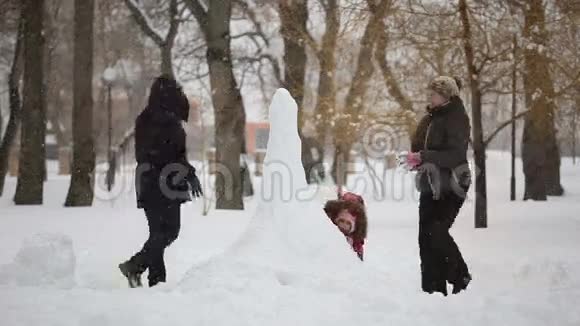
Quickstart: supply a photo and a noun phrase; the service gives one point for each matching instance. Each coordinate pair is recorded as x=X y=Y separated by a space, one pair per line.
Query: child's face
x=345 y=222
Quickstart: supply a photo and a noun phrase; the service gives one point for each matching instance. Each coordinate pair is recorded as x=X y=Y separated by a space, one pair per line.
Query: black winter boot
x=461 y=284
x=132 y=274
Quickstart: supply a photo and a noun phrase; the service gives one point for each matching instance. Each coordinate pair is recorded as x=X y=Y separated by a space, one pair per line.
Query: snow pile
x=289 y=239
x=549 y=273
x=43 y=260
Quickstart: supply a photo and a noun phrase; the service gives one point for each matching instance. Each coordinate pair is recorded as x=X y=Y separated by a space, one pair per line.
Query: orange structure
x=257 y=136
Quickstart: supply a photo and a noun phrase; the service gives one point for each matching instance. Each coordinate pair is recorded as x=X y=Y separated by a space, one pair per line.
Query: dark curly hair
x=333 y=207
x=167 y=94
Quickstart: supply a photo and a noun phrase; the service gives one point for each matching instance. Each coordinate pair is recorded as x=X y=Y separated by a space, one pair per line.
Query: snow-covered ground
x=280 y=262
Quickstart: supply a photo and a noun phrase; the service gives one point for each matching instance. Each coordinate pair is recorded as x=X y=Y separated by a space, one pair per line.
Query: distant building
x=257 y=136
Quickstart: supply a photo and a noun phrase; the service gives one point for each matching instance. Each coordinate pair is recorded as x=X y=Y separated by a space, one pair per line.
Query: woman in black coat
x=439 y=154
x=164 y=178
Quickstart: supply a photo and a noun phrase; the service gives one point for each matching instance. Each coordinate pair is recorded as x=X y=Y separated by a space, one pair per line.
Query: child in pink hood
x=348 y=214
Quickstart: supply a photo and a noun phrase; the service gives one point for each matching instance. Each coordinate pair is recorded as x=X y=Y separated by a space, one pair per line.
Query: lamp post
x=109 y=77
x=513 y=124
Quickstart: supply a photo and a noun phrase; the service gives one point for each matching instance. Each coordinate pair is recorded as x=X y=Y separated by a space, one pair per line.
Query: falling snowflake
x=537 y=94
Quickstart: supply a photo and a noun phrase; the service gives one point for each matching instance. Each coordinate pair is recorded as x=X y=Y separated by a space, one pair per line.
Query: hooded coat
x=163 y=171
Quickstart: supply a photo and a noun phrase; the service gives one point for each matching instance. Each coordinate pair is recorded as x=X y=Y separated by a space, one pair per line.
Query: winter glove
x=195 y=185
x=414 y=160
x=409 y=161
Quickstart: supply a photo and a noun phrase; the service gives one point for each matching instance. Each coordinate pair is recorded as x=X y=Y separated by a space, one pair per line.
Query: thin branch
x=311 y=43
x=503 y=125
x=391 y=82
x=253 y=17
x=199 y=13
x=143 y=21
x=174 y=22
x=573 y=84
x=250 y=34
x=267 y=57
x=324 y=4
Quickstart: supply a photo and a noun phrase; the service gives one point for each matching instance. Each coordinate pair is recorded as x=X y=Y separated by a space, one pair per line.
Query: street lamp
x=109 y=77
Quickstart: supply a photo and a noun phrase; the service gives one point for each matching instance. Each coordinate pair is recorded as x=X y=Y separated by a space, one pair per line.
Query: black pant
x=164 y=223
x=441 y=260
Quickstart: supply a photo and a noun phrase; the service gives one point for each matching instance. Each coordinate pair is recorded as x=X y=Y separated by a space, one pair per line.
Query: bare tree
x=227 y=101
x=165 y=44
x=347 y=128
x=540 y=151
x=14 y=102
x=478 y=62
x=80 y=192
x=476 y=122
x=293 y=17
x=392 y=84
x=30 y=183
x=326 y=94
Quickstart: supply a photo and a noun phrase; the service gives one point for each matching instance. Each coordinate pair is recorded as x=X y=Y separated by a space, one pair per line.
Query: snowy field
x=283 y=263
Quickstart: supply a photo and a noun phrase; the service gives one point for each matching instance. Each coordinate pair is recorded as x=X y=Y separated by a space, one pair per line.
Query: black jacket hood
x=166 y=95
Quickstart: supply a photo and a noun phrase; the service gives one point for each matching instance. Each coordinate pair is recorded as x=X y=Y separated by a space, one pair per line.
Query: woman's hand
x=410 y=161
x=413 y=160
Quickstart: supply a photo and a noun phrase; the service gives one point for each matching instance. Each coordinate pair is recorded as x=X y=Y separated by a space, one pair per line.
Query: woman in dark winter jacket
x=439 y=155
x=164 y=178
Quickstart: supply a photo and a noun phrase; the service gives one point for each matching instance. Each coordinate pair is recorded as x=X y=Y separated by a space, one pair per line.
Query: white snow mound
x=289 y=239
x=43 y=260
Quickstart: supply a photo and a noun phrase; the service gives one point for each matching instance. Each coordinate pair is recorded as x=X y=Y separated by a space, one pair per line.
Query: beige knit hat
x=446 y=86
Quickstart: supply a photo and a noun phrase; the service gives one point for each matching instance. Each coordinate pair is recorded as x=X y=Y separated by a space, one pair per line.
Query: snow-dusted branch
x=165 y=44
x=258 y=33
x=251 y=14
x=200 y=14
x=574 y=84
x=503 y=125
x=174 y=21
x=142 y=19
x=269 y=58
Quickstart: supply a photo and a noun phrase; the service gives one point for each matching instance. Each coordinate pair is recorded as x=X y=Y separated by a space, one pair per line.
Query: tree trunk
x=14 y=103
x=345 y=135
x=339 y=169
x=575 y=127
x=540 y=152
x=30 y=183
x=364 y=70
x=533 y=157
x=479 y=158
x=552 y=168
x=392 y=83
x=513 y=123
x=81 y=190
x=165 y=44
x=293 y=19
x=326 y=98
x=228 y=107
x=166 y=61
x=477 y=127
